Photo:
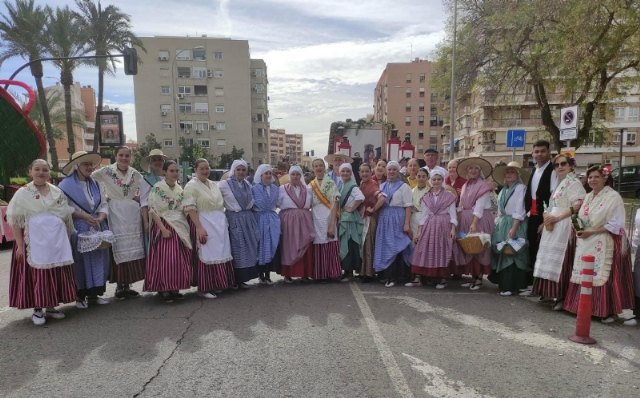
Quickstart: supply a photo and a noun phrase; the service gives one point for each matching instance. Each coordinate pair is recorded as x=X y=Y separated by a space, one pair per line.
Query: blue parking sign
x=516 y=138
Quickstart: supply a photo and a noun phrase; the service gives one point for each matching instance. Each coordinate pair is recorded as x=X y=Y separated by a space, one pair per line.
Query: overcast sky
x=323 y=57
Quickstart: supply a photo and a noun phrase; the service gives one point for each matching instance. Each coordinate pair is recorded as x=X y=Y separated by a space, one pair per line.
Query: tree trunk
x=96 y=133
x=36 y=72
x=66 y=77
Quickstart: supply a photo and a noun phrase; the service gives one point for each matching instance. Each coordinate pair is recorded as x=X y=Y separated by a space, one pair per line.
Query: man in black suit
x=539 y=188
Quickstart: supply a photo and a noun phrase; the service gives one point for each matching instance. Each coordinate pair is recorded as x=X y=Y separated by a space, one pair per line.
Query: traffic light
x=130 y=61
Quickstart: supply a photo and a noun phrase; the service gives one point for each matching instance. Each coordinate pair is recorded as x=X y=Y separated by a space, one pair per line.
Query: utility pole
x=453 y=84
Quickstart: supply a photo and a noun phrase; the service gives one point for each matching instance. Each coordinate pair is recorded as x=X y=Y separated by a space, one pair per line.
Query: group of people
x=399 y=226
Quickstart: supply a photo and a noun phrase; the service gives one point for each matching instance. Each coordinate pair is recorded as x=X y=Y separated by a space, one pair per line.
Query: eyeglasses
x=556 y=165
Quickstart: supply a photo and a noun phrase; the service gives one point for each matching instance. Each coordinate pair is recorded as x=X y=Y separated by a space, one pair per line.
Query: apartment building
x=483 y=118
x=402 y=97
x=203 y=90
x=283 y=145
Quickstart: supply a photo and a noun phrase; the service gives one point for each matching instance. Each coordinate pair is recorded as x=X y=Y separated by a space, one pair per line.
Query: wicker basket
x=472 y=245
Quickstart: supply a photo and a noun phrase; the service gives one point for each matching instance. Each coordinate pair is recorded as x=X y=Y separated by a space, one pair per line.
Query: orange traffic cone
x=585 y=305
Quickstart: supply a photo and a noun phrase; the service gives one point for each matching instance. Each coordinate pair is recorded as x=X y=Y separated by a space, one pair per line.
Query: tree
x=22 y=35
x=566 y=51
x=57 y=114
x=66 y=38
x=150 y=142
x=108 y=31
x=191 y=152
x=227 y=158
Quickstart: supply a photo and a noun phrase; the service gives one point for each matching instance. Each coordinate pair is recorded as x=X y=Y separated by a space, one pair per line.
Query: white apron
x=48 y=244
x=126 y=225
x=554 y=243
x=217 y=250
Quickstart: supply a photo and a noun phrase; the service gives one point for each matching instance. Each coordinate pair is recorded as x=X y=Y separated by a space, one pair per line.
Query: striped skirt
x=326 y=260
x=390 y=238
x=615 y=295
x=39 y=288
x=243 y=233
x=432 y=254
x=368 y=248
x=209 y=277
x=476 y=264
x=127 y=272
x=169 y=262
x=558 y=290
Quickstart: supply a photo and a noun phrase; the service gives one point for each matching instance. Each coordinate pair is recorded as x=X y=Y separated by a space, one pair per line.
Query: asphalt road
x=315 y=340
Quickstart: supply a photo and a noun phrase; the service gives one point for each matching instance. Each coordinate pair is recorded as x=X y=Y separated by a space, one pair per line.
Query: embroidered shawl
x=166 y=202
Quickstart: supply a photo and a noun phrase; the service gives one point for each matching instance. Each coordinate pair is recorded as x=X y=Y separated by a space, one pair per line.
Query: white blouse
x=403 y=197
x=104 y=206
x=356 y=194
x=285 y=201
x=515 y=204
x=425 y=212
x=483 y=203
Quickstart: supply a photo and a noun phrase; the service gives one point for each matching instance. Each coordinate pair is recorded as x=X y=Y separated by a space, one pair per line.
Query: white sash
x=48 y=244
x=217 y=250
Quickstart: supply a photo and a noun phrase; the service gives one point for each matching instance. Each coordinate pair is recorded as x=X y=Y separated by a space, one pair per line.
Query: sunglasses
x=563 y=164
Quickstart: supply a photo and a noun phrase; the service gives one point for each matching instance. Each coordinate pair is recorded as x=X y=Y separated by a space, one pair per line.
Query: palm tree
x=57 y=114
x=22 y=35
x=108 y=31
x=66 y=38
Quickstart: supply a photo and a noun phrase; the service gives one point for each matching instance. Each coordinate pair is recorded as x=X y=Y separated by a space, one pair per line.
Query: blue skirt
x=244 y=236
x=390 y=238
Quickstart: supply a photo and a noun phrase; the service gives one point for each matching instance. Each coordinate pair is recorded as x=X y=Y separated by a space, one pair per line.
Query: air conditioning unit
x=180 y=96
x=209 y=73
x=212 y=127
x=198 y=131
x=187 y=131
x=163 y=58
x=164 y=113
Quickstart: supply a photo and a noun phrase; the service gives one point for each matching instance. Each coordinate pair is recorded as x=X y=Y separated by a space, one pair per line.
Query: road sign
x=516 y=138
x=569 y=123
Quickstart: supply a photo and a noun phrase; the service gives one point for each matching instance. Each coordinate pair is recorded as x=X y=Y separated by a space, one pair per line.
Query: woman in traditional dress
x=243 y=229
x=373 y=201
x=393 y=235
x=265 y=194
x=553 y=265
x=203 y=203
x=169 y=267
x=601 y=234
x=421 y=189
x=474 y=216
x=351 y=224
x=636 y=272
x=298 y=233
x=90 y=209
x=510 y=269
x=453 y=179
x=152 y=166
x=380 y=172
x=41 y=272
x=436 y=233
x=326 y=247
x=412 y=172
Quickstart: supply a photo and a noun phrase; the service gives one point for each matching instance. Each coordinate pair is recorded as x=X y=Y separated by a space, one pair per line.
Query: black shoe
x=121 y=294
x=166 y=296
x=177 y=296
x=131 y=293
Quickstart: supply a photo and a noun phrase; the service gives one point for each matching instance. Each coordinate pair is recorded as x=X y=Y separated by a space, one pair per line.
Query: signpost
x=569 y=124
x=516 y=139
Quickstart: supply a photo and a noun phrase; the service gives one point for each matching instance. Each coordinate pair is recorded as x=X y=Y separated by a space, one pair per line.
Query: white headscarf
x=234 y=166
x=347 y=166
x=436 y=172
x=297 y=169
x=393 y=163
x=263 y=168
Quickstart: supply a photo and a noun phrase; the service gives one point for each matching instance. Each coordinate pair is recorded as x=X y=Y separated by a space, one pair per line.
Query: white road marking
x=439 y=385
x=390 y=364
x=538 y=340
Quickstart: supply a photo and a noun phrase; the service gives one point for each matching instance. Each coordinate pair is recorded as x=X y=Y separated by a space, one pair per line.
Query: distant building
x=285 y=146
x=203 y=90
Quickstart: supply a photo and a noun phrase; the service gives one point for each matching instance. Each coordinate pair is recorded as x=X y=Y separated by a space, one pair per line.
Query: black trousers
x=398 y=271
x=534 y=243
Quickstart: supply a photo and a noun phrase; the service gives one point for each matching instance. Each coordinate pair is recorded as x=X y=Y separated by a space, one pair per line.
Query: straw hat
x=154 y=152
x=500 y=171
x=484 y=165
x=81 y=157
x=335 y=156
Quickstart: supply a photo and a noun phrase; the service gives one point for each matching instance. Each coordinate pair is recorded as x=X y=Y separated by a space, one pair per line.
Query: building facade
x=202 y=90
x=403 y=98
x=285 y=146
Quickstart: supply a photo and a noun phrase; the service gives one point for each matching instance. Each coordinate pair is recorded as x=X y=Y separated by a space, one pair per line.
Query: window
x=261 y=132
x=167 y=126
x=407 y=121
x=259 y=88
x=186 y=125
x=199 y=73
x=167 y=143
x=200 y=90
x=420 y=120
x=163 y=55
x=422 y=77
x=619 y=114
x=630 y=139
x=407 y=107
x=434 y=97
x=261 y=147
x=204 y=143
x=408 y=78
x=433 y=140
x=421 y=136
x=199 y=54
x=259 y=73
x=184 y=72
x=201 y=107
x=259 y=117
x=185 y=108
x=219 y=108
x=184 y=90
x=219 y=91
x=202 y=126
x=217 y=55
x=434 y=111
x=408 y=93
x=221 y=126
x=165 y=90
x=421 y=92
x=421 y=107
x=221 y=142
x=165 y=108
x=164 y=71
x=188 y=141
x=183 y=54
x=218 y=74
x=434 y=121
x=633 y=114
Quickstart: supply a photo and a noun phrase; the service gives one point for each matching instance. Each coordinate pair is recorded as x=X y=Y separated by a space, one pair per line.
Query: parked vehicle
x=216 y=174
x=630 y=184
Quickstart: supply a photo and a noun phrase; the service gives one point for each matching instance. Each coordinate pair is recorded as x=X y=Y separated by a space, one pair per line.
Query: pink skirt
x=301 y=269
x=39 y=288
x=433 y=252
x=476 y=264
x=326 y=261
x=168 y=264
